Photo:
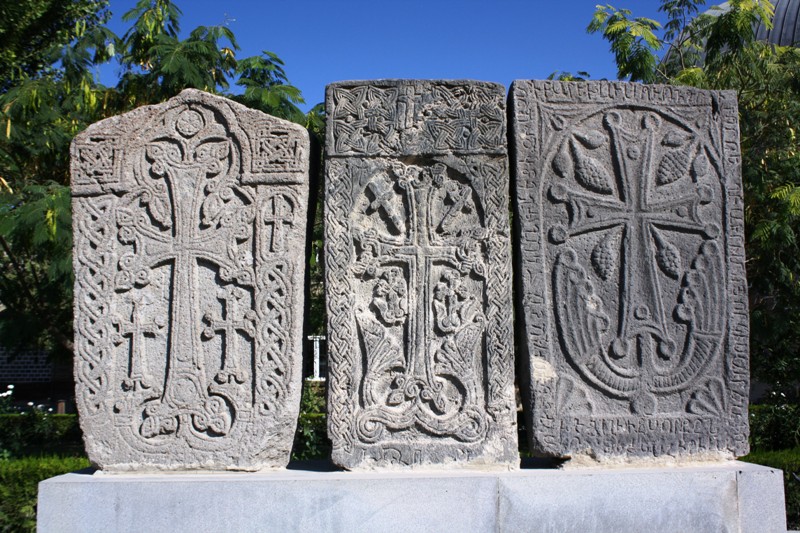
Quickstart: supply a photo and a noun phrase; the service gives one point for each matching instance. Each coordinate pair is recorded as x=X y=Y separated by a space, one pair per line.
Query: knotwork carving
x=188 y=321
x=416 y=362
x=401 y=118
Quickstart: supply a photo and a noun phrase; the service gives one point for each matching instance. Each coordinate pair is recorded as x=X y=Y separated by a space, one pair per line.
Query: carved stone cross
x=230 y=326
x=189 y=221
x=135 y=329
x=633 y=298
x=420 y=254
x=178 y=169
x=632 y=214
x=279 y=213
x=416 y=207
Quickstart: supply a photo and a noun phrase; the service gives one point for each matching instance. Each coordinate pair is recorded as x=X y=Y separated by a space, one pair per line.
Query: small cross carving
x=135 y=329
x=230 y=326
x=279 y=212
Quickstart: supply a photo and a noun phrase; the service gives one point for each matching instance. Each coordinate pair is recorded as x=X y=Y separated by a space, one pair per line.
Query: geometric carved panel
x=418 y=275
x=189 y=286
x=632 y=296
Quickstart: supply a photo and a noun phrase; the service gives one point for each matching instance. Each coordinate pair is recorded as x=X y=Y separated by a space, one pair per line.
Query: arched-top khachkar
x=418 y=267
x=189 y=223
x=632 y=296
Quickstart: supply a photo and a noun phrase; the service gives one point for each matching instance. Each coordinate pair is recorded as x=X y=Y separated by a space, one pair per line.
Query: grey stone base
x=734 y=497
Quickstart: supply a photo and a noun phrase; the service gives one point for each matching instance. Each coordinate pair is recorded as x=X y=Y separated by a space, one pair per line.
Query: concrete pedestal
x=732 y=497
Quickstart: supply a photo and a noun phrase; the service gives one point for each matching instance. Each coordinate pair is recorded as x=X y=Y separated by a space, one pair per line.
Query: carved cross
x=230 y=326
x=183 y=174
x=279 y=212
x=639 y=220
x=421 y=254
x=135 y=329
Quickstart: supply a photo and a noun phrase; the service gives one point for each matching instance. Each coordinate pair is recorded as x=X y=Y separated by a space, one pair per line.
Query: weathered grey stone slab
x=418 y=274
x=632 y=296
x=189 y=222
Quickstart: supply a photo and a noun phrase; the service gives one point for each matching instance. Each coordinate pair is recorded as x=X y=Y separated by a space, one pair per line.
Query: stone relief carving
x=418 y=276
x=631 y=289
x=188 y=300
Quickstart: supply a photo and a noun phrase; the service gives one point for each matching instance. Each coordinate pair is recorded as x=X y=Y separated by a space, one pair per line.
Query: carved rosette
x=418 y=275
x=623 y=196
x=189 y=221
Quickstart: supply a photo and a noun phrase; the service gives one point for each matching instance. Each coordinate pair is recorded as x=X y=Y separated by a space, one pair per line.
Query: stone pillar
x=189 y=222
x=418 y=275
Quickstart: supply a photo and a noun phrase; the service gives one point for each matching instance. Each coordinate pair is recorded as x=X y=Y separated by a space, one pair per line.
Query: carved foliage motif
x=185 y=313
x=418 y=281
x=632 y=199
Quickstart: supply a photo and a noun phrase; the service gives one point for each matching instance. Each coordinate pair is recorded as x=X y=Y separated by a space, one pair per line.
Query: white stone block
x=733 y=496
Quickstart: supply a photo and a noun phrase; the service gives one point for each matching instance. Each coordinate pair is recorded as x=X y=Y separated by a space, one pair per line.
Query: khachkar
x=189 y=223
x=418 y=275
x=633 y=299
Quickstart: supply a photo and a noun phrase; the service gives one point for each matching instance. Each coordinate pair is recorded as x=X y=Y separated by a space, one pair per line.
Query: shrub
x=311 y=440
x=36 y=432
x=774 y=426
x=19 y=485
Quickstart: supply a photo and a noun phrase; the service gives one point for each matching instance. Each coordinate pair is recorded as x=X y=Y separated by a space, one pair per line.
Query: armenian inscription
x=189 y=224
x=418 y=275
x=632 y=293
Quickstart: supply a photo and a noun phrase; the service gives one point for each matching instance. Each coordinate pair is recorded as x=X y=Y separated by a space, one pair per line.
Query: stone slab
x=418 y=275
x=631 y=297
x=189 y=223
x=733 y=496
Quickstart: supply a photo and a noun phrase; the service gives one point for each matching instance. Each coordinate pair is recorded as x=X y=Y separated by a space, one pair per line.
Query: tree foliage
x=32 y=31
x=49 y=52
x=718 y=50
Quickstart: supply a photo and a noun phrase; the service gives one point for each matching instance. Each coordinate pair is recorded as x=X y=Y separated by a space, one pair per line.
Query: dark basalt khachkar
x=632 y=296
x=189 y=222
x=418 y=277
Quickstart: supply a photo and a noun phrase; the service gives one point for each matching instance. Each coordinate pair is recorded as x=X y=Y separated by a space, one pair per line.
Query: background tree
x=49 y=50
x=718 y=50
x=32 y=31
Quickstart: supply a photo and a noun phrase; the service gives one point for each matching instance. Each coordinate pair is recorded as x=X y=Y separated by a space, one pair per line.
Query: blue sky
x=327 y=41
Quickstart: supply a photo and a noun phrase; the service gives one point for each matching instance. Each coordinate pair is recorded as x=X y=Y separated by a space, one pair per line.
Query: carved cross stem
x=639 y=220
x=185 y=181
